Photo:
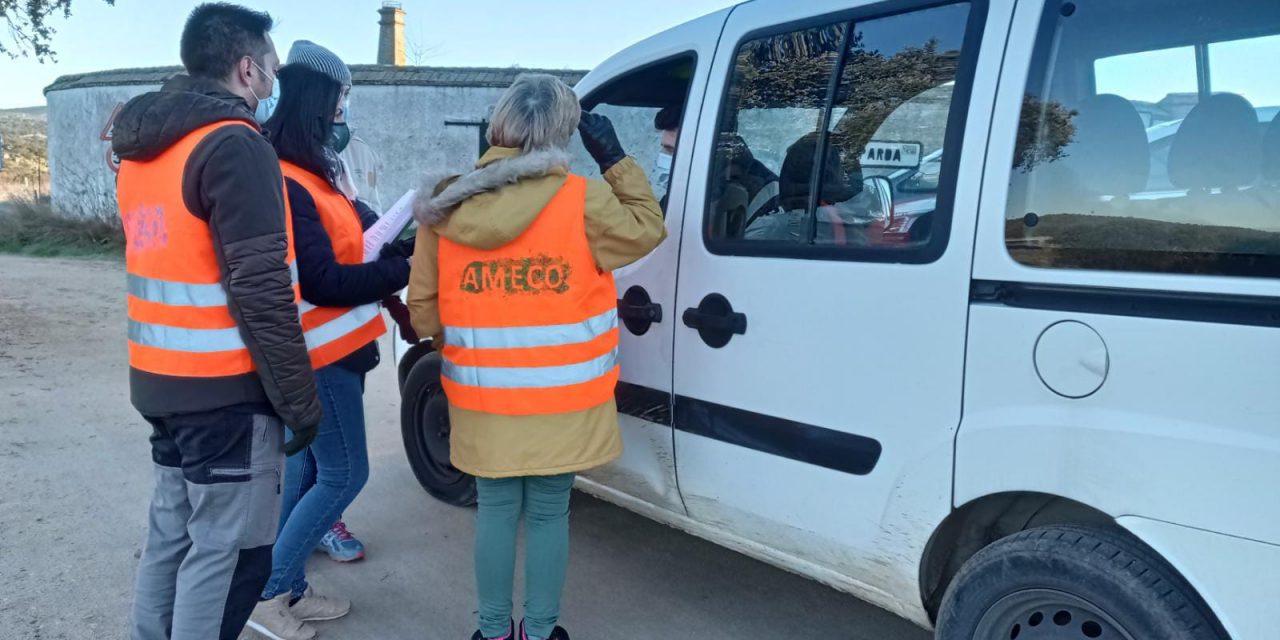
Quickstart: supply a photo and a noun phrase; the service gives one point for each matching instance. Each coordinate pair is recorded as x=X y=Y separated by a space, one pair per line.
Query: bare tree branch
x=29 y=32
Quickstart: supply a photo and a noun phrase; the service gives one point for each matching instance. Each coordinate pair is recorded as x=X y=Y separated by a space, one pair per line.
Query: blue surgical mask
x=267 y=105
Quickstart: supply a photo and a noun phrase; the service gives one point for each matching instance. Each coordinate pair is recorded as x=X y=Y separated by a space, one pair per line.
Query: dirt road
x=75 y=481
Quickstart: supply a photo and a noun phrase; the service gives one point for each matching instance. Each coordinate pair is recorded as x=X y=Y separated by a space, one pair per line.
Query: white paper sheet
x=392 y=222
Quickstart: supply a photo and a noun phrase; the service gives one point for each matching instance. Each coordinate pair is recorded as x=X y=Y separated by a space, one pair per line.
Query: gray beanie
x=317 y=58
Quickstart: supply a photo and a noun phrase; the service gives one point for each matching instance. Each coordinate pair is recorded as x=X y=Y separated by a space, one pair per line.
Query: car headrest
x=1271 y=151
x=1109 y=153
x=1216 y=145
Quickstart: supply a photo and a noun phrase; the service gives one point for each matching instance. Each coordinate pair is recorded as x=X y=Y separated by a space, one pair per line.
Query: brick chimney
x=391 y=34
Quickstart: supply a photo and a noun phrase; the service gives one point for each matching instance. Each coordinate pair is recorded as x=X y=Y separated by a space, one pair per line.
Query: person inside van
x=341 y=319
x=791 y=222
x=513 y=279
x=667 y=122
x=758 y=185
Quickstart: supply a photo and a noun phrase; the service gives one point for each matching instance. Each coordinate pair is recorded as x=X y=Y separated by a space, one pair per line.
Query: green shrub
x=30 y=227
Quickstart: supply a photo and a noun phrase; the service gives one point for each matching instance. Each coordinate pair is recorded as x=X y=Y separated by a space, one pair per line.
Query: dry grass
x=30 y=227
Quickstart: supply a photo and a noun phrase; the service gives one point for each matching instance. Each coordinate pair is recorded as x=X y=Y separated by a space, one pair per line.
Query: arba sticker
x=892 y=155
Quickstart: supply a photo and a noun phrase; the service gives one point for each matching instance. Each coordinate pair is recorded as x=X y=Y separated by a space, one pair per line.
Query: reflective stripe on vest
x=518 y=344
x=180 y=323
x=531 y=377
x=340 y=326
x=526 y=337
x=333 y=333
x=184 y=294
x=191 y=340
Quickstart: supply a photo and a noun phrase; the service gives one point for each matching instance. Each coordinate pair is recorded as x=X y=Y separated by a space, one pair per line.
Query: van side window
x=646 y=106
x=888 y=127
x=1149 y=140
x=766 y=141
x=830 y=141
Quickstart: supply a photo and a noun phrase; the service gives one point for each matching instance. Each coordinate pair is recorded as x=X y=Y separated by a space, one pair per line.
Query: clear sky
x=557 y=34
x=1236 y=66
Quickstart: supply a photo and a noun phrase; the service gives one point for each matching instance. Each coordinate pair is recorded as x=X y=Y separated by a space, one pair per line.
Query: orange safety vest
x=179 y=322
x=334 y=333
x=530 y=328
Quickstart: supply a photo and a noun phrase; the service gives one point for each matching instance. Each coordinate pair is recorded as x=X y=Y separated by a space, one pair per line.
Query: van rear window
x=1149 y=139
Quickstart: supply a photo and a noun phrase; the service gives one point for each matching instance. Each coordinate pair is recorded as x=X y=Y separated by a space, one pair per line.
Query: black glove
x=400 y=314
x=402 y=248
x=600 y=140
x=302 y=438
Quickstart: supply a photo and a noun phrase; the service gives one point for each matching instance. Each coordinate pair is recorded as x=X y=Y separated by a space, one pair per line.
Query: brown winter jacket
x=486 y=209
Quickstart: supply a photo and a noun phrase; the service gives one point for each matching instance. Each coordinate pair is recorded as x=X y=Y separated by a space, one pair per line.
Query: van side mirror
x=879 y=192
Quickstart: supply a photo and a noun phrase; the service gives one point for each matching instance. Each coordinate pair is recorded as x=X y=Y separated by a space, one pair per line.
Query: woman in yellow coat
x=512 y=278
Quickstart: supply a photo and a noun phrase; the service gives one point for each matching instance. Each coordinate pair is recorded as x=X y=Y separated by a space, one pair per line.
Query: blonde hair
x=537 y=112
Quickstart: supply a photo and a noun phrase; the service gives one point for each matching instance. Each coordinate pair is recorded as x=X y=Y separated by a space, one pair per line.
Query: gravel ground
x=75 y=483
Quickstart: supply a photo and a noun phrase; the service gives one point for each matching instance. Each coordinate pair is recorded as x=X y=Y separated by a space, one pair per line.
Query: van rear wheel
x=424 y=425
x=1072 y=583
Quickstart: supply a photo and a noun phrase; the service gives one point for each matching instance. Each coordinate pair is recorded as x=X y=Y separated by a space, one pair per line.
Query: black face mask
x=339 y=137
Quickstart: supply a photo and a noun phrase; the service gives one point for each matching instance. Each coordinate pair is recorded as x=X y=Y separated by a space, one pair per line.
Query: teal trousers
x=544 y=503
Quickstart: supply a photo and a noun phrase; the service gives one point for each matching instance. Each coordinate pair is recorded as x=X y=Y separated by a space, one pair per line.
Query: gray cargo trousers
x=214 y=515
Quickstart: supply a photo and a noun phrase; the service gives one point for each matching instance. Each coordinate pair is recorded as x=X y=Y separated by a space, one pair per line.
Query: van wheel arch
x=979 y=523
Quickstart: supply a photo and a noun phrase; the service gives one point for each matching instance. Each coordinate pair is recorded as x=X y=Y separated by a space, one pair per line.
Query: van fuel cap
x=1071 y=359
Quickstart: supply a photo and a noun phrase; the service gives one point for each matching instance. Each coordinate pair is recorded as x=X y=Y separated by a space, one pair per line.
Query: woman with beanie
x=341 y=320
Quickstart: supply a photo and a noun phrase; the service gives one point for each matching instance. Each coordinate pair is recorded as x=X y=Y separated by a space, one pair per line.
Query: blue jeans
x=322 y=481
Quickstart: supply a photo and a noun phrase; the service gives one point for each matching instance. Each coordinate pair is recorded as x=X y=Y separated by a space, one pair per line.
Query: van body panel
x=1177 y=412
x=863 y=349
x=1146 y=443
x=1235 y=576
x=647 y=469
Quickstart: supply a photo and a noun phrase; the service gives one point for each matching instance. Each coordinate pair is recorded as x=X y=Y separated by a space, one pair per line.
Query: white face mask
x=662 y=169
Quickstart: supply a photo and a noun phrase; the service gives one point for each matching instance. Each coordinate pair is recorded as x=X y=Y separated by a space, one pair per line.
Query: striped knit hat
x=317 y=58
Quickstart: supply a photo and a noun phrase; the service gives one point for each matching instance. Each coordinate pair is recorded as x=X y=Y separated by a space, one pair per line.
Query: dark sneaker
x=557 y=634
x=510 y=634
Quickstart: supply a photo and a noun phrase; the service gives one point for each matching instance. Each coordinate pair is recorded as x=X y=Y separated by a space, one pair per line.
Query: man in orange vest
x=217 y=360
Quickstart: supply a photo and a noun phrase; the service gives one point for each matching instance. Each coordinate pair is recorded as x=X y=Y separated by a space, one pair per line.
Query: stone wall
x=418 y=119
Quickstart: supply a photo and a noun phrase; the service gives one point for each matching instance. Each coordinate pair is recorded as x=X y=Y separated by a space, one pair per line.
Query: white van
x=970 y=308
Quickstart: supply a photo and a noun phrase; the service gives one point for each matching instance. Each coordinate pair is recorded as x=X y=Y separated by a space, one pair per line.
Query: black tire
x=411 y=357
x=1072 y=583
x=424 y=425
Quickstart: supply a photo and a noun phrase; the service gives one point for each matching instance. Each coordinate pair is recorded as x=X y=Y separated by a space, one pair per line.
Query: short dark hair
x=219 y=34
x=303 y=119
x=668 y=118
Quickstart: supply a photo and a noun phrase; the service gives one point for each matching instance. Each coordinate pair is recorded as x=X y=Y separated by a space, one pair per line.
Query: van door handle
x=651 y=312
x=637 y=311
x=715 y=320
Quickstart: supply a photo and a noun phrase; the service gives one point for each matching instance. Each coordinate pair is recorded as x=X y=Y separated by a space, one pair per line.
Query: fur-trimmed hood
x=493 y=204
x=498 y=168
